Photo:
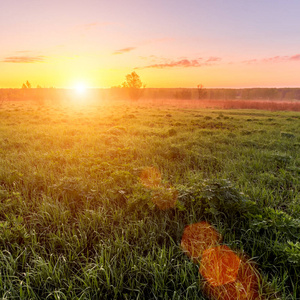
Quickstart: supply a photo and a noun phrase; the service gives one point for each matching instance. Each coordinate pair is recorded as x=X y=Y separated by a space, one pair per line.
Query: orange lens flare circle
x=245 y=286
x=197 y=238
x=150 y=177
x=226 y=275
x=219 y=265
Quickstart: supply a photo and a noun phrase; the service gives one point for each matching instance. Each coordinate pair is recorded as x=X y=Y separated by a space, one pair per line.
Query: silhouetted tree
x=134 y=86
x=26 y=85
x=201 y=91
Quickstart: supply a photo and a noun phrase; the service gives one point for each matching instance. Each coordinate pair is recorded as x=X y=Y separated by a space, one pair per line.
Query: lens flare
x=80 y=88
x=150 y=177
x=243 y=285
x=225 y=274
x=219 y=265
x=197 y=238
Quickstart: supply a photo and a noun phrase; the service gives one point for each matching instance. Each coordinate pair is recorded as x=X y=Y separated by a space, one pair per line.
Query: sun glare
x=80 y=88
x=80 y=94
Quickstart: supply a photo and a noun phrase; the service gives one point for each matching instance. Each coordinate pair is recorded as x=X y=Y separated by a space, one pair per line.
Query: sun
x=80 y=88
x=79 y=94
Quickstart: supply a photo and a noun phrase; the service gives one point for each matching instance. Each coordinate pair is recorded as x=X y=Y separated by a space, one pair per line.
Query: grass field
x=87 y=198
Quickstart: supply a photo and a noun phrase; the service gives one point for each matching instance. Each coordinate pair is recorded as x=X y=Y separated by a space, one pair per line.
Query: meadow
x=94 y=199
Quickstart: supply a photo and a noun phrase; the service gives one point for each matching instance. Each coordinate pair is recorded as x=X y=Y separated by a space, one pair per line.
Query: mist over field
x=255 y=98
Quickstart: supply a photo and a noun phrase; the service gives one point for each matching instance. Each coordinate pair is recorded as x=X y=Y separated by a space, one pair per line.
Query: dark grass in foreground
x=77 y=222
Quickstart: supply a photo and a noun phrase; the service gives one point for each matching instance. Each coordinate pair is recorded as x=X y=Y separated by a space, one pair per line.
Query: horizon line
x=105 y=88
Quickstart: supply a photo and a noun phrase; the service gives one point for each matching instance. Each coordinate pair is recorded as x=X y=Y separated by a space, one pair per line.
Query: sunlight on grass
x=96 y=200
x=164 y=196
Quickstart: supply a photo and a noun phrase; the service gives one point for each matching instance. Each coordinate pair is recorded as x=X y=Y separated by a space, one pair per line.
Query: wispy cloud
x=213 y=59
x=124 y=50
x=295 y=57
x=184 y=63
x=179 y=63
x=274 y=59
x=250 y=61
x=24 y=59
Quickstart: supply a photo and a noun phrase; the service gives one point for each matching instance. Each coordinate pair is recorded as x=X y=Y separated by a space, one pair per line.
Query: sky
x=95 y=43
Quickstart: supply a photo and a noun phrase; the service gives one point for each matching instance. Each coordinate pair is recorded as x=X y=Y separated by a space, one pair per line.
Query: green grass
x=76 y=221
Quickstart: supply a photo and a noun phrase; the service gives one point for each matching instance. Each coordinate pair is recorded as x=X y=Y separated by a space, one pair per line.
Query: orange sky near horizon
x=95 y=43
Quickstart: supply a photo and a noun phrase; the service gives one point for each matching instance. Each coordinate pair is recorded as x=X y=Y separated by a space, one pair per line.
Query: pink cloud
x=124 y=50
x=274 y=59
x=185 y=63
x=250 y=61
x=295 y=57
x=24 y=59
x=213 y=59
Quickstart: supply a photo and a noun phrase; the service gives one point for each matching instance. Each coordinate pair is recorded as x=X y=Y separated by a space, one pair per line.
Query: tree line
x=133 y=88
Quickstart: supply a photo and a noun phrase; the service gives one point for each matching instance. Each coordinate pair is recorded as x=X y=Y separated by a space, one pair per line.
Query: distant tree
x=38 y=86
x=134 y=86
x=201 y=91
x=26 y=85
